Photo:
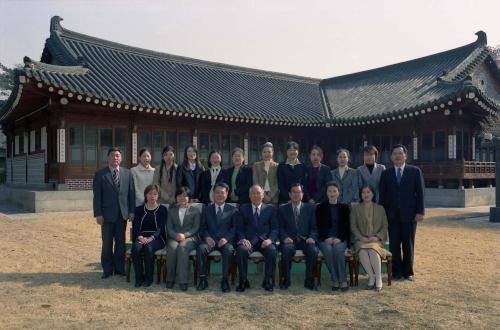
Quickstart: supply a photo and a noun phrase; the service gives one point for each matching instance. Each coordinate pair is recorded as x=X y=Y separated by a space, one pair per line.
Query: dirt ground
x=50 y=278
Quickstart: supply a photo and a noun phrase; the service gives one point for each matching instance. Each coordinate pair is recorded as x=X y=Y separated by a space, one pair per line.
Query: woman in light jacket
x=143 y=175
x=265 y=174
x=370 y=172
x=165 y=176
x=346 y=178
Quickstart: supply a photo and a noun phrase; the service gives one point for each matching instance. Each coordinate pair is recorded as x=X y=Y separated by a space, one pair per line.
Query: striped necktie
x=116 y=178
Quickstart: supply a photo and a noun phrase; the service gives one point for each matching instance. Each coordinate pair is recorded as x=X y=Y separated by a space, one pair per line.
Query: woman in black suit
x=148 y=235
x=210 y=177
x=189 y=173
x=238 y=178
x=316 y=177
x=332 y=219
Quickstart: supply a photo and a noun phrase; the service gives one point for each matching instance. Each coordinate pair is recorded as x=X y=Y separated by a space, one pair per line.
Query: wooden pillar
x=134 y=145
x=473 y=148
x=195 y=137
x=245 y=146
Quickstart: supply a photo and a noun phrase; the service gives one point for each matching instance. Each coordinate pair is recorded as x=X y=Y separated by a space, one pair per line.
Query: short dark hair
x=399 y=146
x=374 y=199
x=297 y=184
x=113 y=149
x=183 y=190
x=222 y=185
x=148 y=189
x=318 y=148
x=371 y=149
x=143 y=150
x=333 y=184
x=292 y=145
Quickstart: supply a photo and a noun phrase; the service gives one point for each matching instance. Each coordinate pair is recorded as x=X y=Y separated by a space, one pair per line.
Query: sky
x=314 y=38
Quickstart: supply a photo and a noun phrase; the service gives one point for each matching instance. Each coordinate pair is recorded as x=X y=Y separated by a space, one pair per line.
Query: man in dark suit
x=290 y=171
x=298 y=231
x=114 y=203
x=402 y=195
x=217 y=231
x=257 y=230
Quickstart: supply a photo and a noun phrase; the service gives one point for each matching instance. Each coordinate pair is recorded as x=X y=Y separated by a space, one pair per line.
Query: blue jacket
x=306 y=225
x=266 y=228
x=217 y=229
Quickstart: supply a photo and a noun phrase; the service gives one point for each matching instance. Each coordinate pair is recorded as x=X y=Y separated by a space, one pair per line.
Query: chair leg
x=350 y=263
x=158 y=269
x=389 y=271
x=208 y=265
x=195 y=271
x=164 y=268
x=356 y=271
x=233 y=271
x=319 y=263
x=127 y=267
x=280 y=270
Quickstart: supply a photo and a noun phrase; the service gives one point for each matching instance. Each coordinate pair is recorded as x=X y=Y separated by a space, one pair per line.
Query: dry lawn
x=50 y=278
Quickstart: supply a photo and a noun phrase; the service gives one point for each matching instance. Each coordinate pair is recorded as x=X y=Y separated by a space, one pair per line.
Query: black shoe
x=268 y=285
x=344 y=289
x=170 y=285
x=397 y=277
x=183 y=287
x=138 y=284
x=203 y=284
x=147 y=283
x=120 y=273
x=242 y=286
x=224 y=285
x=335 y=288
x=310 y=285
x=285 y=284
x=104 y=276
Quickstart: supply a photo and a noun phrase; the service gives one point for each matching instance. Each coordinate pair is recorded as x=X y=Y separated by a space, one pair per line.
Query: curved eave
x=14 y=97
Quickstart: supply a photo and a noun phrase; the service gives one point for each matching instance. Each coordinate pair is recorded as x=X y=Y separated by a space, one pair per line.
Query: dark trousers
x=113 y=259
x=288 y=252
x=269 y=253
x=227 y=257
x=402 y=237
x=145 y=254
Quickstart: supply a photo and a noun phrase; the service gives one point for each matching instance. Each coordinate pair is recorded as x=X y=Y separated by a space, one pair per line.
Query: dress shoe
x=410 y=278
x=103 y=276
x=335 y=288
x=344 y=289
x=224 y=285
x=397 y=277
x=285 y=284
x=147 y=283
x=138 y=284
x=183 y=286
x=242 y=286
x=203 y=284
x=268 y=285
x=310 y=285
x=170 y=285
x=120 y=273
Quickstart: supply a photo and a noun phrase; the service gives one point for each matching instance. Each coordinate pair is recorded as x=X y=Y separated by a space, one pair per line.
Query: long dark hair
x=210 y=156
x=171 y=171
x=186 y=160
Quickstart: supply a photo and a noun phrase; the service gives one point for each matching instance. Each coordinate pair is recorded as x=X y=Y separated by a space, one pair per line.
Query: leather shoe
x=138 y=284
x=120 y=273
x=267 y=285
x=203 y=284
x=285 y=284
x=310 y=285
x=241 y=287
x=397 y=277
x=103 y=276
x=224 y=285
x=410 y=278
x=147 y=283
x=183 y=287
x=170 y=285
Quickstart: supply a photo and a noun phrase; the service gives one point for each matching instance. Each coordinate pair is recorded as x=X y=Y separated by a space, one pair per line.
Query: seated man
x=257 y=230
x=217 y=232
x=298 y=231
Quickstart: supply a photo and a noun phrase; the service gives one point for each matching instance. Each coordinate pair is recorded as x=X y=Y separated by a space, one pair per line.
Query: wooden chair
x=161 y=264
x=349 y=259
x=387 y=260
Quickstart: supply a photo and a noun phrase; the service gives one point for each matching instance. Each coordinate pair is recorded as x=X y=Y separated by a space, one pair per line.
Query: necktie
x=296 y=215
x=218 y=214
x=398 y=175
x=256 y=216
x=116 y=178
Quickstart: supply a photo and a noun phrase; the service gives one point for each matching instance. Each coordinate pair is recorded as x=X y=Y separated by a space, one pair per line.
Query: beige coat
x=362 y=226
x=167 y=189
x=260 y=175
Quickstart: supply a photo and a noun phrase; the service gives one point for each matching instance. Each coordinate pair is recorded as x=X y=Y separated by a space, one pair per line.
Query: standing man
x=217 y=232
x=114 y=204
x=257 y=230
x=402 y=196
x=298 y=232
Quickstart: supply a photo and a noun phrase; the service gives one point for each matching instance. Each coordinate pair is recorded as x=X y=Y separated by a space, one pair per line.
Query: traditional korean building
x=87 y=94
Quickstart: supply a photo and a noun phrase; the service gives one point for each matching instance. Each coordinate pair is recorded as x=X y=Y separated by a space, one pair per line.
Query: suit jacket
x=288 y=175
x=349 y=185
x=373 y=178
x=259 y=177
x=160 y=218
x=190 y=179
x=322 y=179
x=266 y=228
x=206 y=184
x=324 y=222
x=243 y=184
x=405 y=200
x=306 y=227
x=217 y=229
x=190 y=226
x=109 y=202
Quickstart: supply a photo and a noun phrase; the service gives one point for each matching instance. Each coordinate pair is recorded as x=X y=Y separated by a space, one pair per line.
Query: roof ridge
x=73 y=69
x=63 y=32
x=479 y=43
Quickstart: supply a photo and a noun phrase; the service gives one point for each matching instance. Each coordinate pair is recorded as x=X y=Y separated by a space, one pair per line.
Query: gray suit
x=373 y=178
x=178 y=253
x=349 y=185
x=115 y=206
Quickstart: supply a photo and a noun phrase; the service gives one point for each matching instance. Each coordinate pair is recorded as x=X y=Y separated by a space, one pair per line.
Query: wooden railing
x=459 y=169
